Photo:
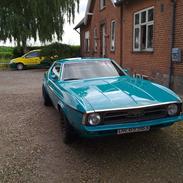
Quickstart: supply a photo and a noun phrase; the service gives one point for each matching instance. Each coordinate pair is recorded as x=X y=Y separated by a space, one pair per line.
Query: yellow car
x=31 y=58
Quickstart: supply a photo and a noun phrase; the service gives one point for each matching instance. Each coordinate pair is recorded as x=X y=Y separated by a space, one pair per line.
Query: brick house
x=140 y=35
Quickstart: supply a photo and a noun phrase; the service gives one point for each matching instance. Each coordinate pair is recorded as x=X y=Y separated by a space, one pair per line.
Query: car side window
x=32 y=54
x=56 y=70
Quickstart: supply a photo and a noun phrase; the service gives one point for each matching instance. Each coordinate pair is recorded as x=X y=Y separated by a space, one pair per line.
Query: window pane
x=93 y=69
x=137 y=38
x=95 y=39
x=113 y=29
x=87 y=45
x=33 y=54
x=151 y=15
x=113 y=36
x=137 y=16
x=150 y=37
x=87 y=41
x=143 y=37
x=143 y=17
x=102 y=4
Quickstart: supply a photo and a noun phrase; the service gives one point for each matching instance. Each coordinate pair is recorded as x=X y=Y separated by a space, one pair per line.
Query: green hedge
x=19 y=51
x=59 y=51
x=52 y=52
x=5 y=55
x=6 y=52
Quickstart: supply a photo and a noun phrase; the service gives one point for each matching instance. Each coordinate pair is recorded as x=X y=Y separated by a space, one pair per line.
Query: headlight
x=12 y=61
x=172 y=109
x=94 y=119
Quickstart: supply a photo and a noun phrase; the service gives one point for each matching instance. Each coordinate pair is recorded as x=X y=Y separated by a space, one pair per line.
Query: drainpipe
x=172 y=44
x=121 y=35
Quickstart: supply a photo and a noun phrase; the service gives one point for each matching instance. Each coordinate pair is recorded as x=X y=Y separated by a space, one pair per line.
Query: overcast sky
x=70 y=36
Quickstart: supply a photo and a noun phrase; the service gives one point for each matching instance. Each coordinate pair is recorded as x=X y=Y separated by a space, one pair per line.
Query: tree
x=44 y=19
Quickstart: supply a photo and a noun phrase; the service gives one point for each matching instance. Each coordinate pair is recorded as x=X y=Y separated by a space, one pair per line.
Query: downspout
x=121 y=35
x=172 y=44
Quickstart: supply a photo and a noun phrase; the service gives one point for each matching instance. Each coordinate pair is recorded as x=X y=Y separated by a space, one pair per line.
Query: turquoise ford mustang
x=96 y=97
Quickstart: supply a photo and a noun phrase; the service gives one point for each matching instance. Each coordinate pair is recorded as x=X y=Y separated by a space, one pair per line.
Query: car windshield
x=90 y=69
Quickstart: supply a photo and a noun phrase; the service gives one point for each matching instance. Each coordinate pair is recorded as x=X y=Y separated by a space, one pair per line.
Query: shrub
x=58 y=51
x=51 y=52
x=19 y=51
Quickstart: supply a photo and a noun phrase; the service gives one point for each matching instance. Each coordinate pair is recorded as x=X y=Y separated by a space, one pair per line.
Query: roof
x=79 y=24
x=84 y=21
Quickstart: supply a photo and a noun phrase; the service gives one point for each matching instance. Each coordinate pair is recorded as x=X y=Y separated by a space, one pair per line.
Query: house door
x=103 y=41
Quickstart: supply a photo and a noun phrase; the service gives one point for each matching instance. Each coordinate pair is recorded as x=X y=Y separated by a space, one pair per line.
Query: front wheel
x=20 y=66
x=68 y=133
x=46 y=98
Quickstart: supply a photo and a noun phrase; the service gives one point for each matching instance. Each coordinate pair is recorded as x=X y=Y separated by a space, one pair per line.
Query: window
x=113 y=34
x=95 y=39
x=87 y=41
x=143 y=30
x=32 y=54
x=102 y=4
x=90 y=69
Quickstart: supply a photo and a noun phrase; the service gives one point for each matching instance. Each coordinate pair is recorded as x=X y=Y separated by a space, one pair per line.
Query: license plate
x=133 y=130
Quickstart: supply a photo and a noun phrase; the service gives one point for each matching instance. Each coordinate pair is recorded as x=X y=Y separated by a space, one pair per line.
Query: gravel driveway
x=31 y=148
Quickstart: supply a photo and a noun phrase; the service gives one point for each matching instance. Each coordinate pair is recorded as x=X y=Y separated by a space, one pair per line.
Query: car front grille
x=134 y=115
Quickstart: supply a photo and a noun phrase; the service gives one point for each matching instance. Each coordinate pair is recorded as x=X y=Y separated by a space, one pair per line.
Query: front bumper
x=13 y=65
x=103 y=130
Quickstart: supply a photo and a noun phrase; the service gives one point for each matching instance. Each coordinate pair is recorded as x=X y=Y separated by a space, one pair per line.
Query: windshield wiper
x=69 y=79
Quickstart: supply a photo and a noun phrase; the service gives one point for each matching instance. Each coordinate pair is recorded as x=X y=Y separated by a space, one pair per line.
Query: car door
x=32 y=58
x=54 y=82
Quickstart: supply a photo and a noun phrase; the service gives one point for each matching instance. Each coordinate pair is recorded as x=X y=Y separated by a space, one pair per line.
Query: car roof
x=38 y=50
x=79 y=59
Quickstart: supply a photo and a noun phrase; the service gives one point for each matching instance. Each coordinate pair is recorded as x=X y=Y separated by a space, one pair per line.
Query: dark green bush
x=51 y=52
x=6 y=52
x=58 y=51
x=5 y=55
x=19 y=51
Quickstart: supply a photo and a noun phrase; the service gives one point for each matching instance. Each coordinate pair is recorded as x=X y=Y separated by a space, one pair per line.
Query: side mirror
x=54 y=77
x=127 y=71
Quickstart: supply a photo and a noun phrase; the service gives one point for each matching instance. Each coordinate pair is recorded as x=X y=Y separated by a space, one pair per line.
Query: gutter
x=172 y=44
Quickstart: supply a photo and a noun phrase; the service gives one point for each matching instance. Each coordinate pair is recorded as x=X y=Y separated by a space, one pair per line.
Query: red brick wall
x=178 y=68
x=156 y=63
x=99 y=17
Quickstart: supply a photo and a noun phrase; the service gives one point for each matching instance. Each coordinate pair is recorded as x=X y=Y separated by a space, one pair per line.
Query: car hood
x=120 y=92
x=16 y=59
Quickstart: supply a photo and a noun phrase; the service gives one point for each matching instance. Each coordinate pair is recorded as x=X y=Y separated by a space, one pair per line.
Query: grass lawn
x=4 y=60
x=5 y=54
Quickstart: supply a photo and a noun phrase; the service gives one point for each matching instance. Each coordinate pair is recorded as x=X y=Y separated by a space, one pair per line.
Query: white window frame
x=102 y=4
x=95 y=44
x=87 y=41
x=113 y=37
x=138 y=26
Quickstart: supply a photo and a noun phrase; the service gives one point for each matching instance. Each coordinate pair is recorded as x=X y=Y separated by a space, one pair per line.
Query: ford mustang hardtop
x=96 y=97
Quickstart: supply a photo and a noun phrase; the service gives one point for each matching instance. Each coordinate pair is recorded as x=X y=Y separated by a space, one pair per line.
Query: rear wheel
x=69 y=135
x=46 y=98
x=20 y=66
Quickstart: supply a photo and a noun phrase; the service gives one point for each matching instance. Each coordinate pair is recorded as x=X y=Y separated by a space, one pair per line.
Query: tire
x=46 y=98
x=69 y=135
x=20 y=66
